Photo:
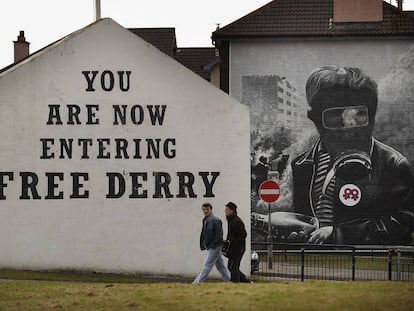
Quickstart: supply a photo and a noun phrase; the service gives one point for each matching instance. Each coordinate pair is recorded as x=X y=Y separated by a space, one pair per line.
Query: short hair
x=232 y=206
x=207 y=205
x=327 y=77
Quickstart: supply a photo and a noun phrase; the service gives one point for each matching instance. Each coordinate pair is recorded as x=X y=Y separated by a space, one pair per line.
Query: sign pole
x=269 y=240
x=269 y=192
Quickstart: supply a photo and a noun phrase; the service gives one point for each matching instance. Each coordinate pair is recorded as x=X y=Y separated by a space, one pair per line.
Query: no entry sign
x=269 y=191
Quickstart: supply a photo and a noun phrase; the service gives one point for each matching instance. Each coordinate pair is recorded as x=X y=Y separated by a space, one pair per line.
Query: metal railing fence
x=278 y=261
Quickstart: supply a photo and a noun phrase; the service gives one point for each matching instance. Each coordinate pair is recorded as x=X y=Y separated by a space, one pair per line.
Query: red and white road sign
x=269 y=191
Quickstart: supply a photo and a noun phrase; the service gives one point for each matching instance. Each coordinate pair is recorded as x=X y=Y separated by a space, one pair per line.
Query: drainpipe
x=97 y=9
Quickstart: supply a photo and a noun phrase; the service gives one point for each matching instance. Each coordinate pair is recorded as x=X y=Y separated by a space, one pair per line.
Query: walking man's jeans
x=214 y=257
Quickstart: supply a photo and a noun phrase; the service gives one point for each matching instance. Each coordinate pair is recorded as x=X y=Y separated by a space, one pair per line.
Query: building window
x=280 y=111
x=288 y=93
x=281 y=100
x=288 y=103
x=288 y=112
x=280 y=89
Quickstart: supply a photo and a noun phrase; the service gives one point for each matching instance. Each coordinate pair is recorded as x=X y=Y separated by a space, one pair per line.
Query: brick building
x=204 y=61
x=290 y=38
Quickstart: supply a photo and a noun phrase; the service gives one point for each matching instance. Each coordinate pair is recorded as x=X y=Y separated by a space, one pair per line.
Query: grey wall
x=261 y=73
x=295 y=59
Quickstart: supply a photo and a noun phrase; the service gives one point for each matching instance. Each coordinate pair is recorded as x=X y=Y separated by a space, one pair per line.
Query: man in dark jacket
x=211 y=239
x=236 y=235
x=360 y=190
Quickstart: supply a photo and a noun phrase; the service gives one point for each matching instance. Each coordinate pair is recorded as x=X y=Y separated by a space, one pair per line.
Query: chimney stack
x=21 y=47
x=357 y=11
x=400 y=4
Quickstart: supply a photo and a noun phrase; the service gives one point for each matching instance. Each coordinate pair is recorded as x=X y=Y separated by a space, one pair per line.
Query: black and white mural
x=339 y=143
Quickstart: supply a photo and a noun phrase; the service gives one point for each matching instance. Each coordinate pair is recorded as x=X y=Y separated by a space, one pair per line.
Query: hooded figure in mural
x=360 y=190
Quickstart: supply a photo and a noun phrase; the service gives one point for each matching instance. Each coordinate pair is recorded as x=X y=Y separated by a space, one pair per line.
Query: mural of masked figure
x=360 y=190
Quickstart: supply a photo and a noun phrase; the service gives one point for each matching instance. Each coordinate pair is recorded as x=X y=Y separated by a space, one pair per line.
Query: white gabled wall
x=204 y=132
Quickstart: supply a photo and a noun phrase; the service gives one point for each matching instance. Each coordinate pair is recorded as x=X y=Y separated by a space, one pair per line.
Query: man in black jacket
x=211 y=239
x=236 y=235
x=360 y=190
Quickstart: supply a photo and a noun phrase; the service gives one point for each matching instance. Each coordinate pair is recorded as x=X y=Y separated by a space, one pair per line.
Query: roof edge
x=257 y=11
x=297 y=36
x=221 y=34
x=43 y=49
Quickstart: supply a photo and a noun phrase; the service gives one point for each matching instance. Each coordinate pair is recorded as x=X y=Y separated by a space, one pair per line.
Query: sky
x=45 y=21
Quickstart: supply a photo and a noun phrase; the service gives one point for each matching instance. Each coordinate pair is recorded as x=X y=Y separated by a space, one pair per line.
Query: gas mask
x=344 y=103
x=345 y=120
x=347 y=134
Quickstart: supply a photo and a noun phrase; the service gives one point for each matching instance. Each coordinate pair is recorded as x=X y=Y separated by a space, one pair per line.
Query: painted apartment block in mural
x=274 y=103
x=351 y=66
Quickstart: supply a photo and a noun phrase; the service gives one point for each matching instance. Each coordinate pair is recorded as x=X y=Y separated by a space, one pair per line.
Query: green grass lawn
x=138 y=294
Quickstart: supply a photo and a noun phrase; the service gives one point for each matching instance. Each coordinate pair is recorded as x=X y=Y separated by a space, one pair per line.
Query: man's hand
x=321 y=235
